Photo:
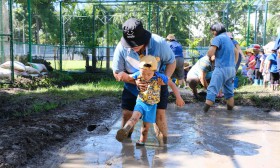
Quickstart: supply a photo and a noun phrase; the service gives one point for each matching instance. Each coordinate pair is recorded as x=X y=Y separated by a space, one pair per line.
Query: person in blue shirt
x=272 y=68
x=224 y=72
x=177 y=49
x=138 y=41
x=146 y=103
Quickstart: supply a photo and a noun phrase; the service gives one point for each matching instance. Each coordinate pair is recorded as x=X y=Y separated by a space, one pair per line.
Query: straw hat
x=249 y=50
x=149 y=62
x=170 y=37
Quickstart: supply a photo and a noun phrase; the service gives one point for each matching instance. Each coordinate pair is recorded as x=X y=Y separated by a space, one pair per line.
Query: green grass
x=36 y=101
x=75 y=65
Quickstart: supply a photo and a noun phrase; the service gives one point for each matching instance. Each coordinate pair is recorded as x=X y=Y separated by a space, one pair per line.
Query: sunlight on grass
x=76 y=65
x=82 y=91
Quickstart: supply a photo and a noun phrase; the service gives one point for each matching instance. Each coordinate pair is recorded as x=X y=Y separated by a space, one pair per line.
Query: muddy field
x=25 y=138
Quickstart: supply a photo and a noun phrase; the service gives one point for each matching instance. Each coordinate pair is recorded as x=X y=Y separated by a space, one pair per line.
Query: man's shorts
x=129 y=100
x=179 y=70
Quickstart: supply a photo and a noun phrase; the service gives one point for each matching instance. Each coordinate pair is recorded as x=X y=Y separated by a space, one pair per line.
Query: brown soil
x=25 y=138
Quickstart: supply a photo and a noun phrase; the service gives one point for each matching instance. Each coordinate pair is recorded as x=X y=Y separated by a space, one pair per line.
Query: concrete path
x=244 y=138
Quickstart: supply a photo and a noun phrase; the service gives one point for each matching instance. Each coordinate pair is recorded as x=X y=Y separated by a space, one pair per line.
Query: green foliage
x=100 y=24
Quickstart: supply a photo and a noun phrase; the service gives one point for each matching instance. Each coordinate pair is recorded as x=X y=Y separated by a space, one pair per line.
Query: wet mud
x=244 y=137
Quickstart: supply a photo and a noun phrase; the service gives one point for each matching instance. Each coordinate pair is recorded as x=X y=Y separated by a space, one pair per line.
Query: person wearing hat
x=177 y=49
x=250 y=64
x=258 y=73
x=138 y=41
x=272 y=68
x=224 y=72
x=146 y=103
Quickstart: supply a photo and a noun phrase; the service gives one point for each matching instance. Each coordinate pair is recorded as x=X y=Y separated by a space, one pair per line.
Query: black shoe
x=206 y=107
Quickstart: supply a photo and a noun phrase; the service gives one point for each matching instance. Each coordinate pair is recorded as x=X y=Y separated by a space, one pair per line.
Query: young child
x=146 y=103
x=251 y=64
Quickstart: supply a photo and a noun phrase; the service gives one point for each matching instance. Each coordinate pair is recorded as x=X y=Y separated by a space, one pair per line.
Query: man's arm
x=124 y=77
x=239 y=50
x=179 y=100
x=202 y=78
x=236 y=53
x=170 y=69
x=211 y=51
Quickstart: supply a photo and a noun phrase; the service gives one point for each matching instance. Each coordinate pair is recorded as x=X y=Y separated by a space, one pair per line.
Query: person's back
x=273 y=62
x=176 y=47
x=202 y=64
x=225 y=51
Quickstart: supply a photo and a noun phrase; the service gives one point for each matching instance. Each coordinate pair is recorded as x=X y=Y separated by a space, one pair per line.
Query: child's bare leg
x=144 y=133
x=123 y=132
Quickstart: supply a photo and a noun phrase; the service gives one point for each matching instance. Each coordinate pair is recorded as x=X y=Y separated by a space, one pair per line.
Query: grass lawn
x=75 y=65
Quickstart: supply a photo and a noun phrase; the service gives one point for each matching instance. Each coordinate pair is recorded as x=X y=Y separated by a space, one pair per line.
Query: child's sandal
x=138 y=143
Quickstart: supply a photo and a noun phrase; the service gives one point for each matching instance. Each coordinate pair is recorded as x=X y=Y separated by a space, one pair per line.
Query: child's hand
x=180 y=102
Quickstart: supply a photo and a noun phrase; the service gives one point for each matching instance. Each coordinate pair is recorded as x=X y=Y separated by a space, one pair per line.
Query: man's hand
x=142 y=85
x=180 y=102
x=122 y=76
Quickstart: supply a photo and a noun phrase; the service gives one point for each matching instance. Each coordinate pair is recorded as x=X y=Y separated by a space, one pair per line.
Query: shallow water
x=244 y=137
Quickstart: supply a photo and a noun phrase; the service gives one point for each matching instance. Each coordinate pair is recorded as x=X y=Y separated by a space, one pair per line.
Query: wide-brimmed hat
x=269 y=46
x=170 y=37
x=149 y=62
x=249 y=50
x=134 y=33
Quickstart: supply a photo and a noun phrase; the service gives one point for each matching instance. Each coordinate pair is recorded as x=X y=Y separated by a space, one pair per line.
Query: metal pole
x=265 y=20
x=60 y=36
x=11 y=39
x=108 y=49
x=63 y=22
x=157 y=18
x=227 y=19
x=29 y=31
x=23 y=37
x=149 y=17
x=248 y=24
x=2 y=53
x=93 y=53
x=255 y=31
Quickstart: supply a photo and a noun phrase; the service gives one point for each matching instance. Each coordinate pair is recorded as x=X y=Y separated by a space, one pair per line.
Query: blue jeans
x=222 y=78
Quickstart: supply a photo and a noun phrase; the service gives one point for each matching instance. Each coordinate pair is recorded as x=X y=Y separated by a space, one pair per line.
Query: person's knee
x=192 y=83
x=126 y=114
x=160 y=115
x=228 y=95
